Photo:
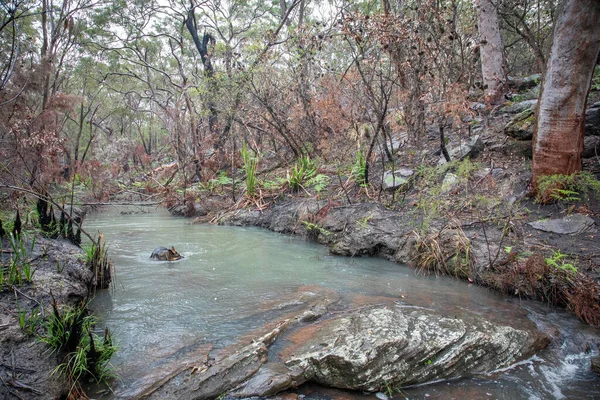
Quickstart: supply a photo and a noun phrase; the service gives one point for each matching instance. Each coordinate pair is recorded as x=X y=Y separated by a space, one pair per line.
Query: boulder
x=521 y=84
x=591 y=146
x=393 y=180
x=470 y=148
x=181 y=210
x=521 y=126
x=372 y=348
x=592 y=120
x=519 y=107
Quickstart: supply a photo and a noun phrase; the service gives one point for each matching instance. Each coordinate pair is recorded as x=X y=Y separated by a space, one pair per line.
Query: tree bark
x=560 y=125
x=202 y=47
x=491 y=50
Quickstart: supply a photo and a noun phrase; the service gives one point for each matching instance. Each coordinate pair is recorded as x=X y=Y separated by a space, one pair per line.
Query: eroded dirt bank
x=26 y=364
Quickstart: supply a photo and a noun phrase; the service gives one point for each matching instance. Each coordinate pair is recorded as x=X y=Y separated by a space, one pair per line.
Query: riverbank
x=490 y=252
x=472 y=218
x=59 y=276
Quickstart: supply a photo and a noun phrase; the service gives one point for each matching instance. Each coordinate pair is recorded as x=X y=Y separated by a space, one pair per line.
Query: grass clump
x=84 y=354
x=304 y=169
x=96 y=258
x=359 y=168
x=19 y=269
x=250 y=166
x=445 y=252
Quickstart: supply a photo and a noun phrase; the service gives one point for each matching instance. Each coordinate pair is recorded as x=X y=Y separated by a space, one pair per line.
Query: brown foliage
x=535 y=279
x=584 y=300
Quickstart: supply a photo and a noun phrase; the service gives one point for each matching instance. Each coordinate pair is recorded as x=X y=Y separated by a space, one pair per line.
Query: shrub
x=303 y=171
x=566 y=188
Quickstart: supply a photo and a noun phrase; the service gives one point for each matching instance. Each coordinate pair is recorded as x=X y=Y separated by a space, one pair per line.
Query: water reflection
x=161 y=312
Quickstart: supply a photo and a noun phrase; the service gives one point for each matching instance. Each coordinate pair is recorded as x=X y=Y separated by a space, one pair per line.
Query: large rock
x=591 y=146
x=521 y=84
x=519 y=107
x=469 y=148
x=376 y=347
x=569 y=225
x=521 y=126
x=185 y=210
x=592 y=120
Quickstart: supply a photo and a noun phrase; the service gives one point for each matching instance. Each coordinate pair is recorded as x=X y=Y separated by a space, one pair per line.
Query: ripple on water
x=162 y=311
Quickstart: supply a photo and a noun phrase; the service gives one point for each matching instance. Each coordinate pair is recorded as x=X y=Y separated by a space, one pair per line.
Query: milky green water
x=160 y=312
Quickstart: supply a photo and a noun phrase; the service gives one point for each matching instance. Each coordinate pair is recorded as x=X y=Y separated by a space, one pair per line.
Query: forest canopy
x=92 y=88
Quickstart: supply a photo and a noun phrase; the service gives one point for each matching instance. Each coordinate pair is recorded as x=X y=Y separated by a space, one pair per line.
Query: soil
x=26 y=364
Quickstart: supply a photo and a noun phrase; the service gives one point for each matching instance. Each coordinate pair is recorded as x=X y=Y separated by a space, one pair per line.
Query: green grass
x=359 y=168
x=250 y=166
x=70 y=333
x=304 y=169
x=19 y=269
x=566 y=188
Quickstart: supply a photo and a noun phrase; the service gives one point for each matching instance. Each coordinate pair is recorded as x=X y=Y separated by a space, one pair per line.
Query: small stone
x=381 y=396
x=450 y=182
x=396 y=179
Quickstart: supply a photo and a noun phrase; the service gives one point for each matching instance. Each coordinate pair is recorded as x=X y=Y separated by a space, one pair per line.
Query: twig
x=344 y=188
x=30 y=298
x=8 y=388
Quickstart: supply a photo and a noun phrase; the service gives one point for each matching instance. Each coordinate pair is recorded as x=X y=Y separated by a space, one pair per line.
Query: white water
x=160 y=312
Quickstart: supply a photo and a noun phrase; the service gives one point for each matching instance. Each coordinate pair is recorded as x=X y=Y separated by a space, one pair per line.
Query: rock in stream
x=366 y=349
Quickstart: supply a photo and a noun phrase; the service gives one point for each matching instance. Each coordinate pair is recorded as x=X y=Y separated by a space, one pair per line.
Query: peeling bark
x=560 y=125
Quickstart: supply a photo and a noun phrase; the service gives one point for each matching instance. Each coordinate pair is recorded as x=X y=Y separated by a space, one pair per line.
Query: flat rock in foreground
x=368 y=349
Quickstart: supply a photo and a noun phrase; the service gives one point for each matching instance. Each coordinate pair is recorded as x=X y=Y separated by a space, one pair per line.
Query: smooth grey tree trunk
x=560 y=124
x=491 y=50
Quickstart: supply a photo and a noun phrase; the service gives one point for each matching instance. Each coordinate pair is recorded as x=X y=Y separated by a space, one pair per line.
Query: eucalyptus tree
x=52 y=33
x=492 y=51
x=527 y=28
x=16 y=27
x=560 y=123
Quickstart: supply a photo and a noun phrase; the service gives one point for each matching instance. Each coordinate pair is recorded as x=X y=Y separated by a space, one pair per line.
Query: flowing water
x=161 y=312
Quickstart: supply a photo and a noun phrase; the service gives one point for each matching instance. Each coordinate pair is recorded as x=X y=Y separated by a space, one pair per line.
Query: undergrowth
x=566 y=188
x=19 y=269
x=554 y=279
x=83 y=353
x=445 y=252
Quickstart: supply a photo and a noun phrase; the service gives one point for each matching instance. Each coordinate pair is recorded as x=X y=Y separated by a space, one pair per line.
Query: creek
x=161 y=313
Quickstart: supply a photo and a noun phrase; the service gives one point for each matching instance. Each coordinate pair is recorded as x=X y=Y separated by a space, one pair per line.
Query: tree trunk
x=491 y=49
x=560 y=124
